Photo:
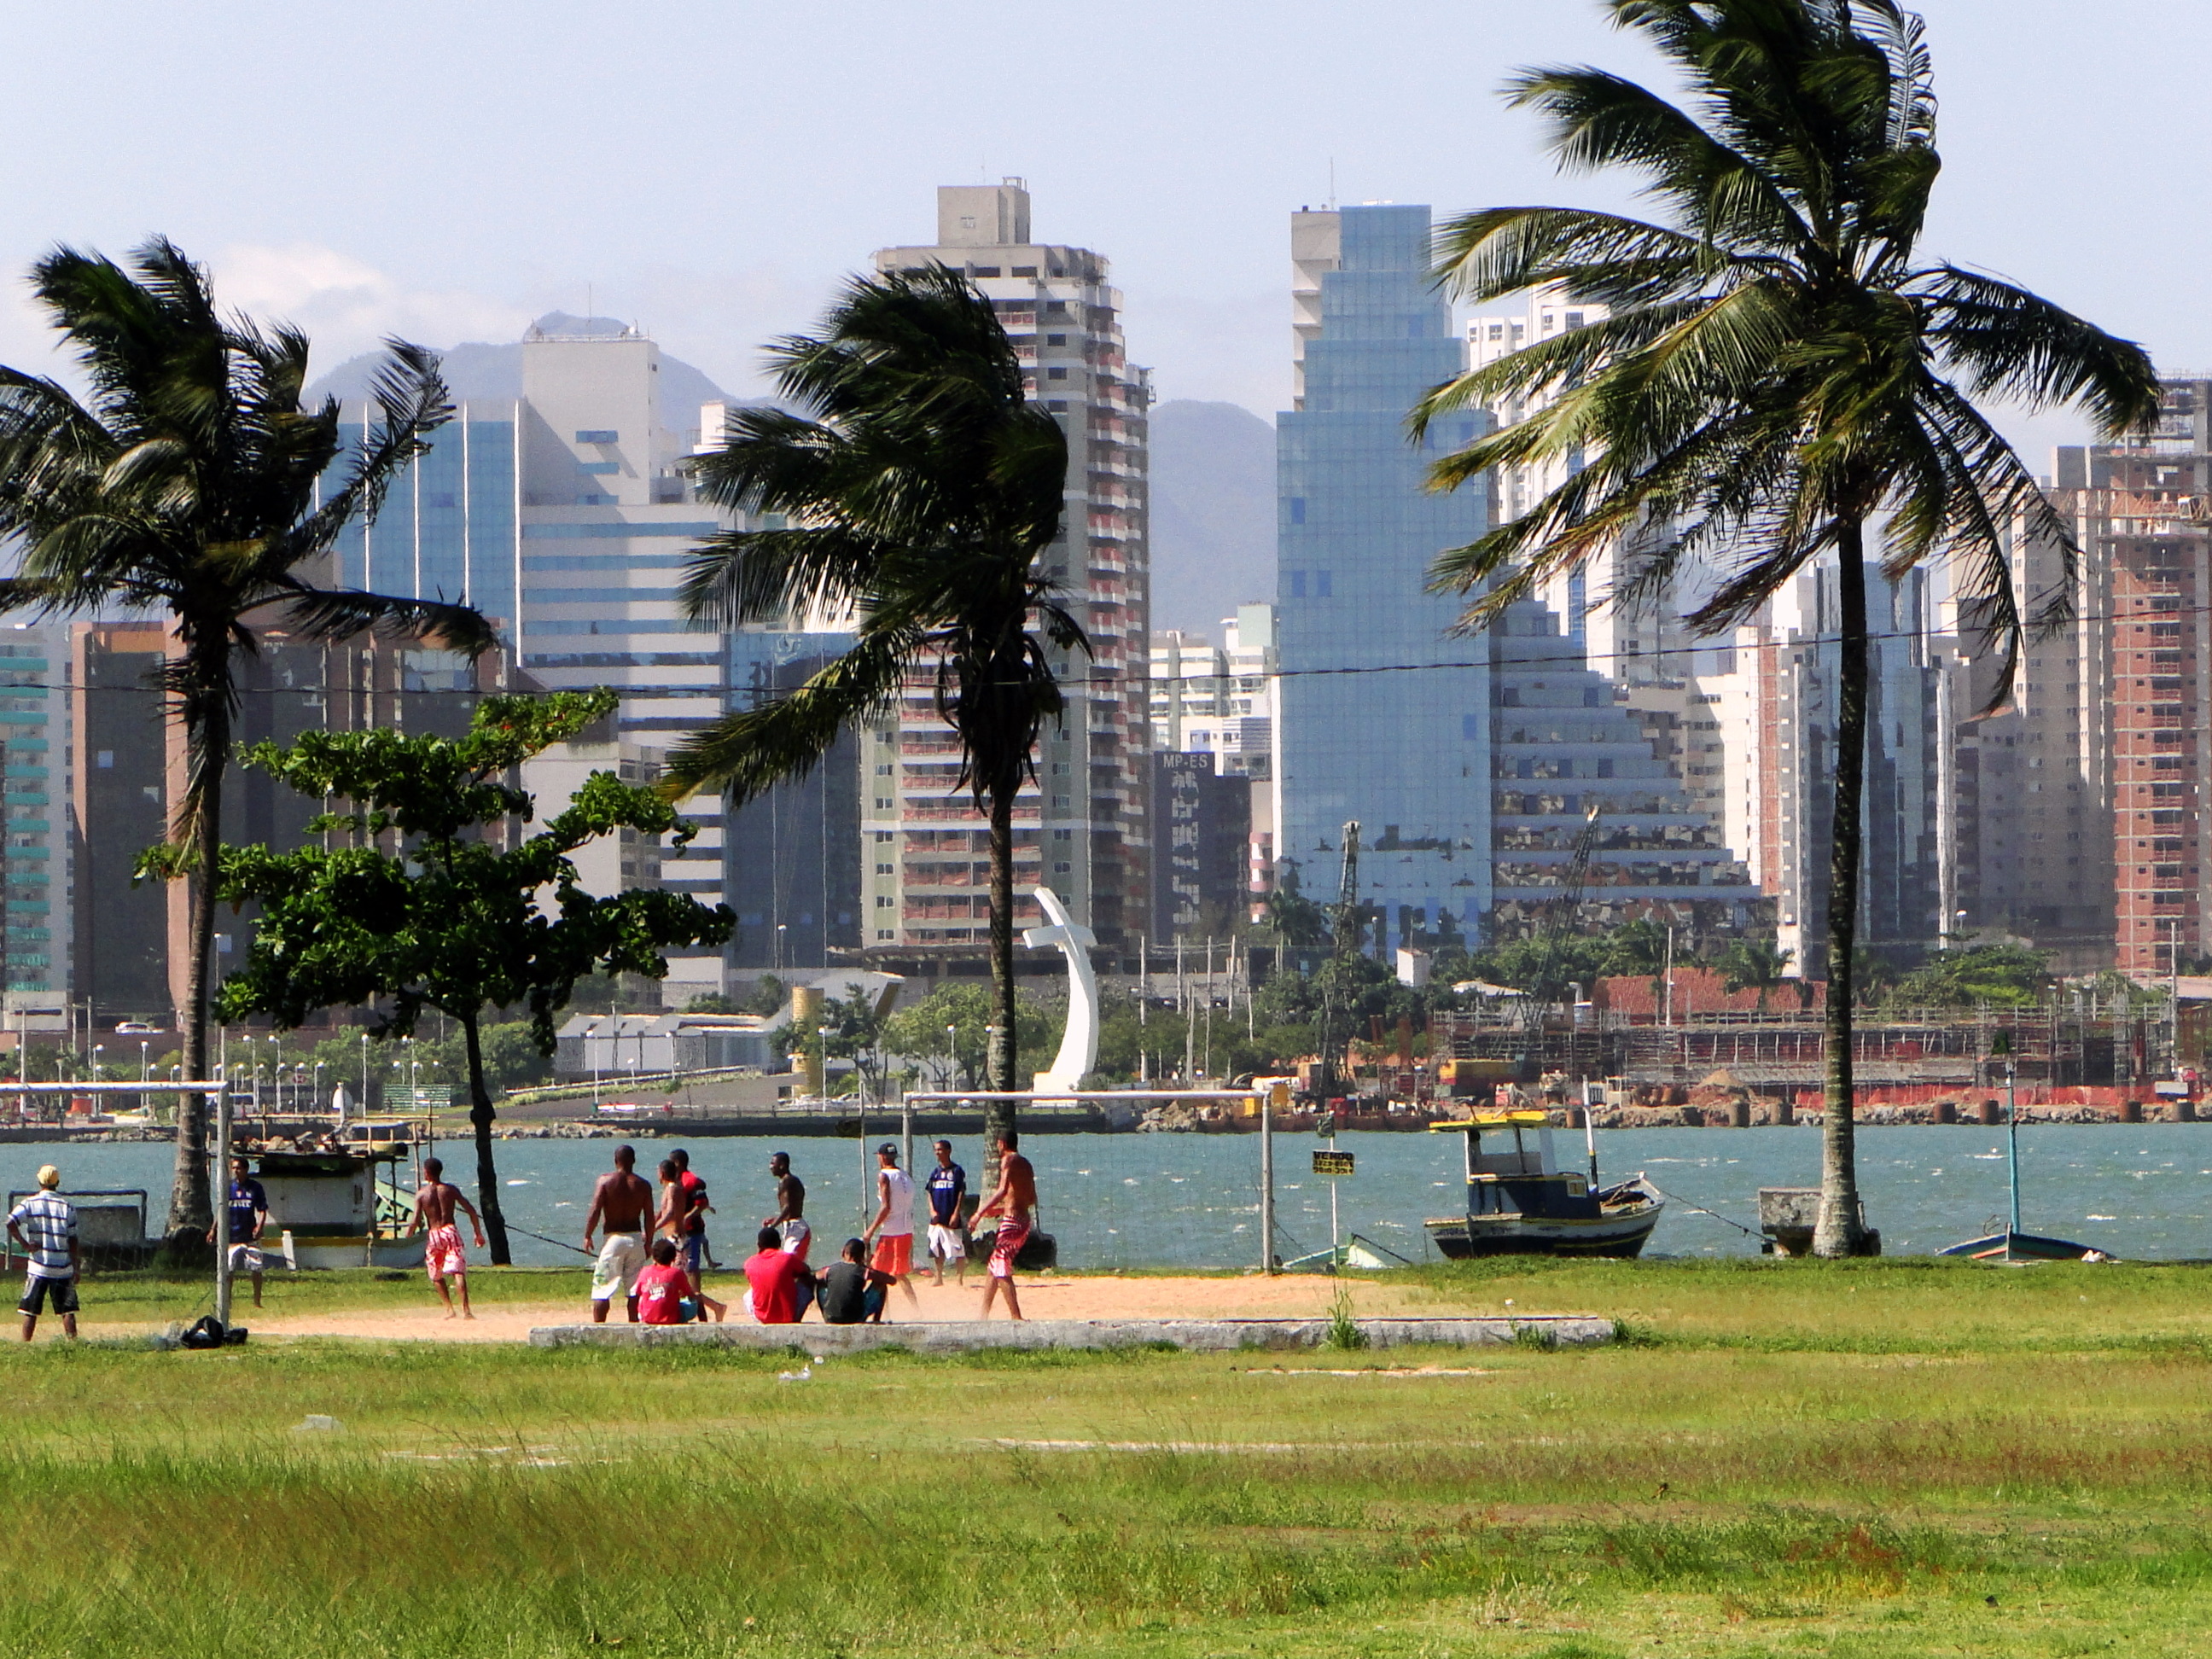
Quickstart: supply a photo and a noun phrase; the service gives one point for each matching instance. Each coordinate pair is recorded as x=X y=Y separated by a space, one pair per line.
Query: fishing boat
x=1520 y=1202
x=2010 y=1243
x=341 y=1202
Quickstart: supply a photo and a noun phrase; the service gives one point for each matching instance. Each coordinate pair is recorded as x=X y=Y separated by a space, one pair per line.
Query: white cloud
x=347 y=306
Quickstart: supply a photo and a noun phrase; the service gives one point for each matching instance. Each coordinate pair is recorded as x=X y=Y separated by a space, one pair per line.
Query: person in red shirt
x=782 y=1285
x=662 y=1288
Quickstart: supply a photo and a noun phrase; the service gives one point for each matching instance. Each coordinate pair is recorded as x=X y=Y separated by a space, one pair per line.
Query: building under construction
x=2068 y=1043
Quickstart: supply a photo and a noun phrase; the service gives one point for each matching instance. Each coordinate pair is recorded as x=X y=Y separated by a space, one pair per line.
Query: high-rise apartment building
x=1082 y=828
x=1636 y=638
x=1772 y=698
x=37 y=842
x=567 y=516
x=1564 y=747
x=126 y=766
x=2141 y=645
x=796 y=851
x=2076 y=810
x=1218 y=700
x=1385 y=715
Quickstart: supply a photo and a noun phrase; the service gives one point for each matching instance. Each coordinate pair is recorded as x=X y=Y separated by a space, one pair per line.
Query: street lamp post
x=951 y=1052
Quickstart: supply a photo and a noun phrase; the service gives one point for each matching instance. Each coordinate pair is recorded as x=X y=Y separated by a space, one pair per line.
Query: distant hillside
x=1214 y=513
x=475 y=370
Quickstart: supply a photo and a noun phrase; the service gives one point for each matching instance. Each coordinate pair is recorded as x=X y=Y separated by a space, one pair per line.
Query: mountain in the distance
x=1214 y=513
x=475 y=370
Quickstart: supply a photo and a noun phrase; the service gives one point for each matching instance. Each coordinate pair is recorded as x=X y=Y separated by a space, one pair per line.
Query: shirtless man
x=790 y=1217
x=1015 y=1204
x=622 y=1201
x=442 y=1254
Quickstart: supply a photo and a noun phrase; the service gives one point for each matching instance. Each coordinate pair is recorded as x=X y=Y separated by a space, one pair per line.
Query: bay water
x=2142 y=1192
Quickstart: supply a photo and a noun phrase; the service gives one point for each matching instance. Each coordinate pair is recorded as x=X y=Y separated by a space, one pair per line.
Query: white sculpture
x=1079 y=1046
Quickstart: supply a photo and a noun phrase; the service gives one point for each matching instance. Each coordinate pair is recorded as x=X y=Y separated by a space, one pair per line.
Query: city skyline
x=349 y=241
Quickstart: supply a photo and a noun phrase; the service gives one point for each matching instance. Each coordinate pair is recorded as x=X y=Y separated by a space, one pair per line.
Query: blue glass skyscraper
x=1404 y=749
x=448 y=527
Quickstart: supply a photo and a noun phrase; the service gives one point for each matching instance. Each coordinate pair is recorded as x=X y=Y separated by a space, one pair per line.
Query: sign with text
x=1332 y=1163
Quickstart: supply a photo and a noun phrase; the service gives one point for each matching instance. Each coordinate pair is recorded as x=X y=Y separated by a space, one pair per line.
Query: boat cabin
x=341 y=1204
x=1512 y=1170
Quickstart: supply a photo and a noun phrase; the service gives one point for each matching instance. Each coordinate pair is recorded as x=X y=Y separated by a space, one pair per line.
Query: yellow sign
x=1332 y=1163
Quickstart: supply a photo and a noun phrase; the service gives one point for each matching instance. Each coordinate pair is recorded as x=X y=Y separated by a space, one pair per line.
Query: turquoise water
x=1166 y=1201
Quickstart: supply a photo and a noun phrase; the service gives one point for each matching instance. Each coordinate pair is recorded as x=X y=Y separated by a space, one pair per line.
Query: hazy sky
x=449 y=170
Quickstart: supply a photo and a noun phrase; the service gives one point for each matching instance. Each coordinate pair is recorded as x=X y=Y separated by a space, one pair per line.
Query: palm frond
x=2017 y=345
x=334 y=613
x=748 y=753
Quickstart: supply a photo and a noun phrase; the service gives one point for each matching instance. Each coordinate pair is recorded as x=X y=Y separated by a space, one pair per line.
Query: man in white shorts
x=622 y=1203
x=946 y=1187
x=249 y=1218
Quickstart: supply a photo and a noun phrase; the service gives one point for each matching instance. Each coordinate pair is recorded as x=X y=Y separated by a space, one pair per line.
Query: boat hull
x=318 y=1251
x=1619 y=1231
x=2021 y=1247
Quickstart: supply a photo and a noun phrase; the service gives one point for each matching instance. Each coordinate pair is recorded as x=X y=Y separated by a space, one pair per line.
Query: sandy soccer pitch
x=1302 y=1297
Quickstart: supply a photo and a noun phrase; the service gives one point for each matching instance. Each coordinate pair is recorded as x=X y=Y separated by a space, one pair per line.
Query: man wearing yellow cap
x=43 y=1227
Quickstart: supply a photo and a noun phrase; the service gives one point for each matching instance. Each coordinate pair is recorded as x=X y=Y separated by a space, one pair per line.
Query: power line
x=1564 y=658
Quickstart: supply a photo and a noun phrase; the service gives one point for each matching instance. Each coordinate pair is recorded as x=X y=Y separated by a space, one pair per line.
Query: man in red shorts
x=892 y=1231
x=1015 y=1204
x=442 y=1256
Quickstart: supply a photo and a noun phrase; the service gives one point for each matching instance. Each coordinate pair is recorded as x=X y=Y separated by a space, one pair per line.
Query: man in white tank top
x=892 y=1231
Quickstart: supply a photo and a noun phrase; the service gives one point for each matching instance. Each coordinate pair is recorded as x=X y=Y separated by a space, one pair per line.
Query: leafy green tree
x=917 y=1031
x=766 y=997
x=186 y=483
x=1778 y=370
x=711 y=1002
x=421 y=900
x=2003 y=975
x=921 y=488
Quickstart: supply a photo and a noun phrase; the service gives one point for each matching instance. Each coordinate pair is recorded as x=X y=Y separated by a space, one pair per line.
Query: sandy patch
x=1292 y=1296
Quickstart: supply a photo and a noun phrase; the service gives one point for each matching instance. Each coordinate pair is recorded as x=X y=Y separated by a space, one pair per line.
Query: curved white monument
x=1078 y=1047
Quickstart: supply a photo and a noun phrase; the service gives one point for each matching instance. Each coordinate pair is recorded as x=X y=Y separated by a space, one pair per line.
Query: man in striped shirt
x=44 y=1226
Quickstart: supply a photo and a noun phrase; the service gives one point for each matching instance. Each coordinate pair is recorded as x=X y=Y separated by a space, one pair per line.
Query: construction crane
x=1351 y=925
x=1565 y=910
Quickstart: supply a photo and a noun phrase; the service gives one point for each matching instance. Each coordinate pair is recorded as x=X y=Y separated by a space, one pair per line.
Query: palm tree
x=1754 y=963
x=1777 y=371
x=187 y=482
x=920 y=487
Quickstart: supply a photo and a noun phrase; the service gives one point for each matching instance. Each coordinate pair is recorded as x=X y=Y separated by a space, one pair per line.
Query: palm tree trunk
x=1839 y=1231
x=190 y=1213
x=1000 y=1115
x=481 y=1114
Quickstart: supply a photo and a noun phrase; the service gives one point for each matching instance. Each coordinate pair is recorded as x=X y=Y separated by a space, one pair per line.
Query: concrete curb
x=1195 y=1335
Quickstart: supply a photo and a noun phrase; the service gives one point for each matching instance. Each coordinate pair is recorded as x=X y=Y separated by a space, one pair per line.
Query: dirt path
x=1289 y=1297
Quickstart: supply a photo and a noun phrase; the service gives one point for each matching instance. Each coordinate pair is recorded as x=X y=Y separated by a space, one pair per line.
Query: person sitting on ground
x=665 y=1288
x=782 y=1285
x=852 y=1290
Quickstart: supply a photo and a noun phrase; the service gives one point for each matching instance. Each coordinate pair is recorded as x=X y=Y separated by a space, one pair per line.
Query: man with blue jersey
x=946 y=1187
x=249 y=1217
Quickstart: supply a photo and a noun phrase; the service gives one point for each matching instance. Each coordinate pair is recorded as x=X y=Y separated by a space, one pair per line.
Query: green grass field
x=1865 y=1459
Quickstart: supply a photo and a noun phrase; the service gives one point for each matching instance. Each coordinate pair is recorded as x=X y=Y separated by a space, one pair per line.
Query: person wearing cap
x=51 y=1243
x=892 y=1231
